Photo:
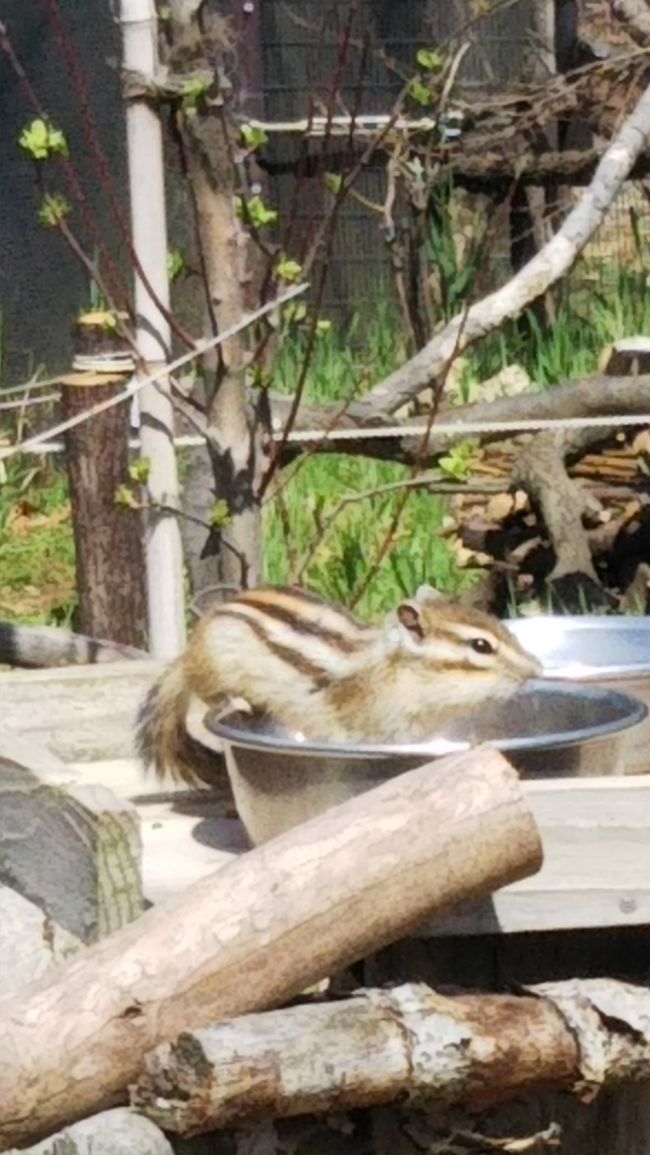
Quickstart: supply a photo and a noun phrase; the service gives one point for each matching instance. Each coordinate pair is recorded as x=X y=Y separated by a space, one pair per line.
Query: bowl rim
x=632 y=709
x=579 y=671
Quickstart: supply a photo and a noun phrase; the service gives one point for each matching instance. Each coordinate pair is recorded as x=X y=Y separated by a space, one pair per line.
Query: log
x=73 y=850
x=409 y=1044
x=116 y=1132
x=541 y=471
x=260 y=930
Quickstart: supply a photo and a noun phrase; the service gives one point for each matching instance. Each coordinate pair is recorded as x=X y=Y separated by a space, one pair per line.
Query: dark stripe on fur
x=330 y=636
x=307 y=596
x=298 y=661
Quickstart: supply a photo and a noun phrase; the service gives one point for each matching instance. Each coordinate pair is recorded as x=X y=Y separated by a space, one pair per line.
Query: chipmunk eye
x=482 y=646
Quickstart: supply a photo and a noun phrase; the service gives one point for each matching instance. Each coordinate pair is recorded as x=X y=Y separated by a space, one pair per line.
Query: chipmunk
x=313 y=668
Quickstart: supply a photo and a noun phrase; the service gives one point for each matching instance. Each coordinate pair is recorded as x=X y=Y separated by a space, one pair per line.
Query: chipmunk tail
x=162 y=739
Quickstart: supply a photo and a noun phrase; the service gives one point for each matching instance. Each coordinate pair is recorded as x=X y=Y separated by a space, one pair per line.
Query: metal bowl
x=545 y=730
x=612 y=652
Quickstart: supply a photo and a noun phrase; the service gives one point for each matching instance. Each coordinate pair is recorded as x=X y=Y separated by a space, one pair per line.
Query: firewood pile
x=561 y=519
x=500 y=530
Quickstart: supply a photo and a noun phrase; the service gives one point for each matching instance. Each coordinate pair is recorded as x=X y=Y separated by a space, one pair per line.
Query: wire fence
x=303 y=70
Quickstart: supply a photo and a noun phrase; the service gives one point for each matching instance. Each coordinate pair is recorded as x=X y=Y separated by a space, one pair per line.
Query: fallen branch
x=261 y=929
x=406 y=1044
x=548 y=265
x=581 y=400
x=540 y=469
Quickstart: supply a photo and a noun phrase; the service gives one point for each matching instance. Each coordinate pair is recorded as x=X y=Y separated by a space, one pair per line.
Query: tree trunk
x=108 y=547
x=209 y=141
x=260 y=930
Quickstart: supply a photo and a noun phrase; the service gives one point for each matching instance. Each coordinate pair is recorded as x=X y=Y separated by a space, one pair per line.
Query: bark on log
x=260 y=930
x=550 y=264
x=406 y=1044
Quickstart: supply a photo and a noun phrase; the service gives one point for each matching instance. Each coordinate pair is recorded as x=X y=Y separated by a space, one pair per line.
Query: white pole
x=164 y=557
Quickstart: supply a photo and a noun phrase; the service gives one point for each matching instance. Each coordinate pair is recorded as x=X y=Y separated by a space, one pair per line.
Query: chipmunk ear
x=408 y=615
x=427 y=594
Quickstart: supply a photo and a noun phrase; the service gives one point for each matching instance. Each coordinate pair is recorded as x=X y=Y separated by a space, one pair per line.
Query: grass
x=36 y=547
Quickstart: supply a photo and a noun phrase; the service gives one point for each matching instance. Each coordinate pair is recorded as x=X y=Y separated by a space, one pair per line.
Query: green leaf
x=294 y=313
x=288 y=270
x=194 y=92
x=125 y=497
x=54 y=209
x=260 y=214
x=139 y=470
x=430 y=59
x=175 y=264
x=419 y=92
x=252 y=136
x=333 y=182
x=458 y=462
x=219 y=516
x=42 y=140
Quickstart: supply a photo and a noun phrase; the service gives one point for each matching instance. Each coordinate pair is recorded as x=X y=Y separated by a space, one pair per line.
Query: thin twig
x=24 y=402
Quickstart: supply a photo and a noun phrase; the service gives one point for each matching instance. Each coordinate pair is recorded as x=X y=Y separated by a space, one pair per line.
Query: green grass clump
x=37 y=583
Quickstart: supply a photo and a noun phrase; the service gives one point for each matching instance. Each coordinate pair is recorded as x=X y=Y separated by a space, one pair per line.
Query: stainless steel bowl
x=612 y=652
x=545 y=730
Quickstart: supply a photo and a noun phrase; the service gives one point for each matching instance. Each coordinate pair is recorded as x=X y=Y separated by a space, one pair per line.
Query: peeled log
x=408 y=1044
x=260 y=930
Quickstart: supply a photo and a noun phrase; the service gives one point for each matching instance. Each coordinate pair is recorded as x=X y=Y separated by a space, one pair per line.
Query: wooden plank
x=596 y=873
x=185 y=833
x=596 y=834
x=77 y=712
